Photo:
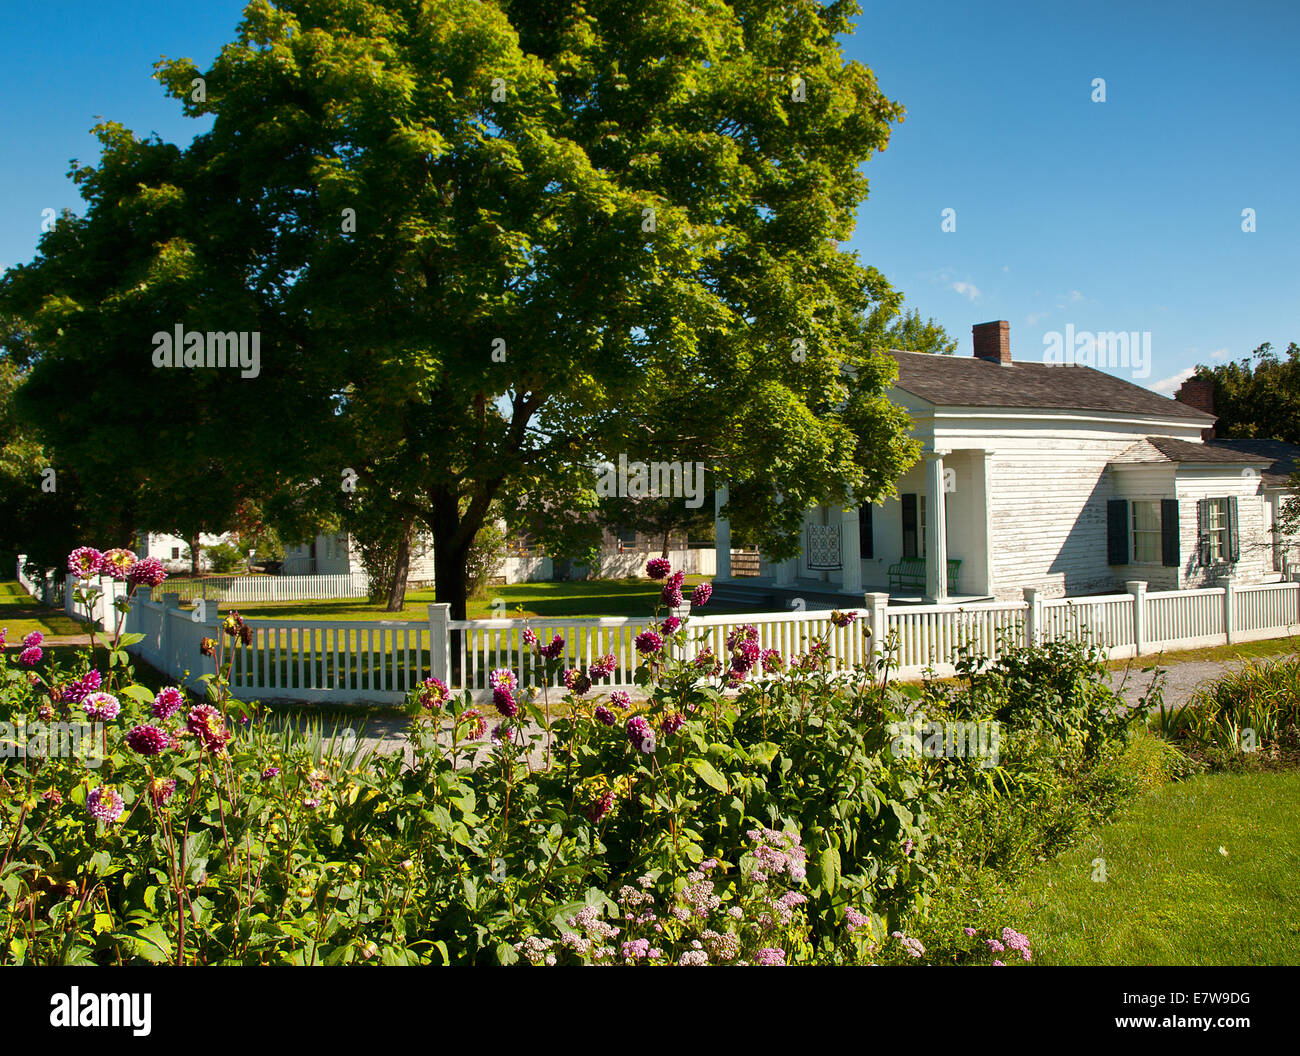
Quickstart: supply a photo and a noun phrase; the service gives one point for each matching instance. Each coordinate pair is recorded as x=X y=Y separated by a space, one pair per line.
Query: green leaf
x=152 y=944
x=705 y=772
x=830 y=869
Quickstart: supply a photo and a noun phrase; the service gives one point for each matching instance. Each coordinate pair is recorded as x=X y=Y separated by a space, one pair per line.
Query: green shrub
x=227 y=559
x=1245 y=717
x=789 y=822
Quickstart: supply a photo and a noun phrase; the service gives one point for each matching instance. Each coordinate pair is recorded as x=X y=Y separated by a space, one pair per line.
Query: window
x=176 y=553
x=866 y=539
x=1146 y=532
x=913 y=525
x=1216 y=526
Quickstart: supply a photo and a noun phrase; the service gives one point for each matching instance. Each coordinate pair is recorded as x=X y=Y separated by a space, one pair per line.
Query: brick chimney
x=1198 y=393
x=993 y=341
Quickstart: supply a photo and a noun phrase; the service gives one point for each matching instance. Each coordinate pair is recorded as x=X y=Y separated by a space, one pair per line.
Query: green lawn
x=601 y=597
x=21 y=614
x=1202 y=872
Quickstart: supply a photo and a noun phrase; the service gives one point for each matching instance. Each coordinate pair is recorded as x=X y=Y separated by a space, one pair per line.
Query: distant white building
x=173 y=551
x=332 y=554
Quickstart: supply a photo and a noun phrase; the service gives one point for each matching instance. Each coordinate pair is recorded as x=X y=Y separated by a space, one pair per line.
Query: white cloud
x=967 y=289
x=1075 y=296
x=1168 y=386
x=1220 y=353
x=1034 y=318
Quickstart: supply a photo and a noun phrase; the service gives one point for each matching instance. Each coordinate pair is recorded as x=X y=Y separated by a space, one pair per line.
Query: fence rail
x=341 y=660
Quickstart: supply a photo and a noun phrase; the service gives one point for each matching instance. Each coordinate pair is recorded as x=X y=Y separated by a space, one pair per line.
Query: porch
x=929 y=544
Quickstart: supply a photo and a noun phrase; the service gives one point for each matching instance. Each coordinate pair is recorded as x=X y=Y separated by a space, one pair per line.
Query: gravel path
x=1182 y=680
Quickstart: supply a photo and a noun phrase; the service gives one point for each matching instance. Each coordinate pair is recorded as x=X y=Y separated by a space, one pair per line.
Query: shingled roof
x=1277 y=460
x=966 y=381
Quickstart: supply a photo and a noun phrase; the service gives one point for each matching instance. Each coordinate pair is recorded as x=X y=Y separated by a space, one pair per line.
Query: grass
x=21 y=614
x=599 y=597
x=1203 y=872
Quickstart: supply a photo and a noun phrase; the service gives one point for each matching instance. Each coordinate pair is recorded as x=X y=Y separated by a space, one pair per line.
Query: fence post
x=1138 y=588
x=878 y=622
x=1033 y=617
x=207 y=665
x=1229 y=592
x=440 y=640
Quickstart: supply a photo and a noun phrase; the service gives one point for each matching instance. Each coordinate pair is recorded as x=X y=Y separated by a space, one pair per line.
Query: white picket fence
x=239 y=590
x=48 y=589
x=342 y=660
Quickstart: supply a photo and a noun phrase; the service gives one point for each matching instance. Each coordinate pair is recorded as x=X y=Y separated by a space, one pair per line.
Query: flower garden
x=722 y=819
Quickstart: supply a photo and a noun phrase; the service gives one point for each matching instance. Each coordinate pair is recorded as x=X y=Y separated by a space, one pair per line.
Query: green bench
x=909 y=574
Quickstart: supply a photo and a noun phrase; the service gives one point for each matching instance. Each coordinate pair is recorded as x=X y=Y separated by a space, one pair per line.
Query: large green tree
x=161 y=245
x=488 y=244
x=518 y=236
x=1259 y=395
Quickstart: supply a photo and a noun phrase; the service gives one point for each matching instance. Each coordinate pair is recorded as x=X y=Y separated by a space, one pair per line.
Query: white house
x=329 y=554
x=1057 y=477
x=172 y=550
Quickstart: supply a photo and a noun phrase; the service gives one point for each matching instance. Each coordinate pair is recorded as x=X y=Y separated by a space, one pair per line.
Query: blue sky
x=1123 y=215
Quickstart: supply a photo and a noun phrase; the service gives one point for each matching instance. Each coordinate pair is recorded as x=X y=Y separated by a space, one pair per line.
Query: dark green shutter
x=1169 y=548
x=1234 y=544
x=909 y=526
x=1203 y=530
x=866 y=537
x=1117 y=532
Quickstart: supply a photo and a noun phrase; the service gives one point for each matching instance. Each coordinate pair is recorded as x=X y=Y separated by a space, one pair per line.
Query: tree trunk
x=401 y=568
x=451 y=579
x=195 y=549
x=667 y=532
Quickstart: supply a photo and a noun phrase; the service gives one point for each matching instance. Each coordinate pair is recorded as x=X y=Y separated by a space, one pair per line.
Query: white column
x=850 y=552
x=721 y=535
x=987 y=542
x=936 y=530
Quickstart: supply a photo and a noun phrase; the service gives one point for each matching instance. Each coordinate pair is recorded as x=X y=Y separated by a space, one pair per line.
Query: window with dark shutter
x=909 y=526
x=1234 y=543
x=1117 y=532
x=1170 y=555
x=1203 y=544
x=866 y=540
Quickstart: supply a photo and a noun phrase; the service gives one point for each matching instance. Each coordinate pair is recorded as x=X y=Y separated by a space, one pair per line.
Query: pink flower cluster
x=433 y=694
x=104 y=804
x=101 y=707
x=31 y=654
x=208 y=725
x=649 y=643
x=602 y=667
x=504 y=684
x=77 y=690
x=640 y=735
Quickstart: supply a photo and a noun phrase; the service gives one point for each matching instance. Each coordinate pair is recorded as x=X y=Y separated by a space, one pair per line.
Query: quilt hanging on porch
x=823 y=547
